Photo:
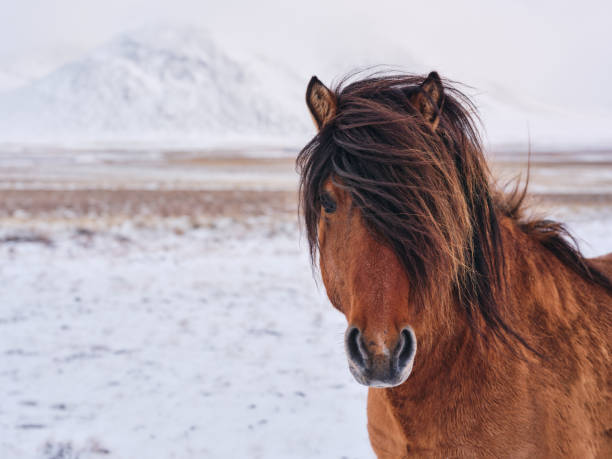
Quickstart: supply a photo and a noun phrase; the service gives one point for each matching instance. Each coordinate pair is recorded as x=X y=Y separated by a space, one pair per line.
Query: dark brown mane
x=428 y=195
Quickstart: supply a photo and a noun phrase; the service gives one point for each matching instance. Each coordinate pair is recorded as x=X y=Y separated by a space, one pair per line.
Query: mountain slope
x=157 y=84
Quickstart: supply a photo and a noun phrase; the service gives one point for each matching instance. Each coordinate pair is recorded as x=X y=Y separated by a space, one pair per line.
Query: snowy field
x=145 y=343
x=138 y=332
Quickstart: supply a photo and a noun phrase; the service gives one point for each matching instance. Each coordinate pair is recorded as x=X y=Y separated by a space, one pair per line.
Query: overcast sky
x=553 y=50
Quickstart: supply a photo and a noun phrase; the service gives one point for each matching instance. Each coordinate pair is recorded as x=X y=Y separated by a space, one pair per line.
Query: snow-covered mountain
x=168 y=85
x=172 y=86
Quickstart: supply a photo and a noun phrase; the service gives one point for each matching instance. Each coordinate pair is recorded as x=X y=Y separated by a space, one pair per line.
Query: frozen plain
x=213 y=343
x=138 y=334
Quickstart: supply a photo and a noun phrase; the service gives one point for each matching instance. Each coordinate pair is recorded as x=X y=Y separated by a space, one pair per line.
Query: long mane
x=429 y=196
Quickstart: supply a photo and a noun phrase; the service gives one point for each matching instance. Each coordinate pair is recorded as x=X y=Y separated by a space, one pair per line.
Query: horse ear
x=321 y=102
x=429 y=98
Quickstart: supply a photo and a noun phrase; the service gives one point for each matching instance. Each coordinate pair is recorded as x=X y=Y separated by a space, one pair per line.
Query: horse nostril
x=407 y=348
x=354 y=347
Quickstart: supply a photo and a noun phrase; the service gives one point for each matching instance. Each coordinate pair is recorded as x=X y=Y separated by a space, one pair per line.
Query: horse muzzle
x=380 y=367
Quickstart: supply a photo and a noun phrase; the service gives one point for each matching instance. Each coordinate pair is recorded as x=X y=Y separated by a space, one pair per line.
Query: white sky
x=556 y=51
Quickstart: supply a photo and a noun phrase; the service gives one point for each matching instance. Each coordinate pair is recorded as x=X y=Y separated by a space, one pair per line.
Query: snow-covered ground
x=144 y=343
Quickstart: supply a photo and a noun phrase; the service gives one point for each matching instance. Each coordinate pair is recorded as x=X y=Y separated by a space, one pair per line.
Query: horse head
x=384 y=220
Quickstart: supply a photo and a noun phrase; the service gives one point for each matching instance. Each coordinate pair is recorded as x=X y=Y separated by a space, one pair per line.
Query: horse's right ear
x=321 y=102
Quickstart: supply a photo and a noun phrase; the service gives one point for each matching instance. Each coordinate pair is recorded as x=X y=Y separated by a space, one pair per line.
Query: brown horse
x=416 y=245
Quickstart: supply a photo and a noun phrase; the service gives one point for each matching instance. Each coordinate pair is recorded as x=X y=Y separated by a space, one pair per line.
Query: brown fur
x=513 y=323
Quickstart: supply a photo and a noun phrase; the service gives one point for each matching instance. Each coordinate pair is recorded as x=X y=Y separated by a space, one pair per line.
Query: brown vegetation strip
x=163 y=203
x=579 y=199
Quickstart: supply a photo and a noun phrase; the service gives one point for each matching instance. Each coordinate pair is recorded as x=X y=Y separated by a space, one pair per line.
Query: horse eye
x=328 y=203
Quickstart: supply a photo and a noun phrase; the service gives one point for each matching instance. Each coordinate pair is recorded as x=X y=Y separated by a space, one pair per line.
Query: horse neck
x=542 y=291
x=543 y=296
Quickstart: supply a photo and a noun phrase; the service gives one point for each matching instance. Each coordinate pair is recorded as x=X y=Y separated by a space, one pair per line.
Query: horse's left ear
x=321 y=102
x=429 y=98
